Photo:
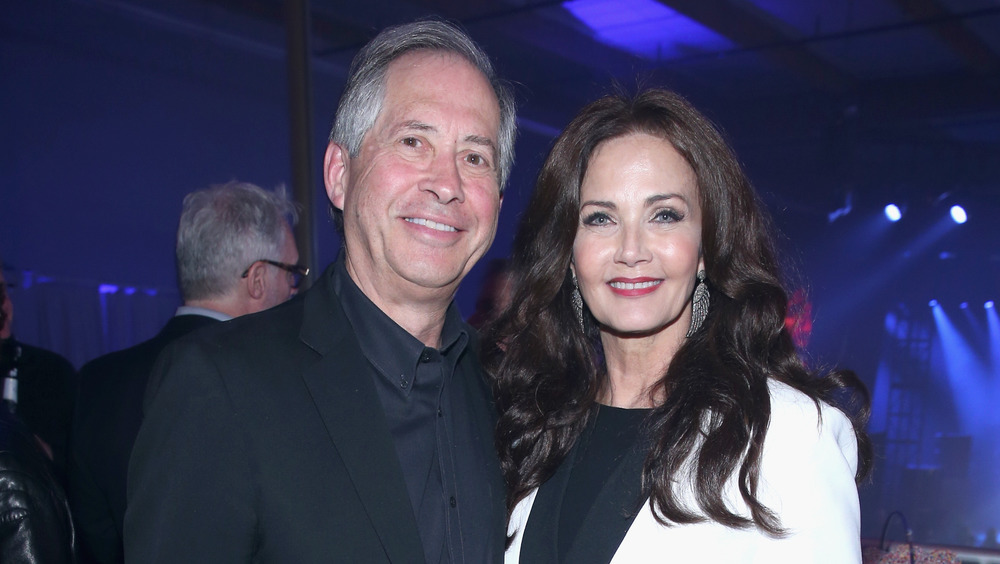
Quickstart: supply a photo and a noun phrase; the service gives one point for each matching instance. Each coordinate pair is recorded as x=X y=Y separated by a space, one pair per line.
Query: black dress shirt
x=425 y=402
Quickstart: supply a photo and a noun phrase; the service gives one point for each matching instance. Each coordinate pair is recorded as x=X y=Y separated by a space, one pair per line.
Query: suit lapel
x=348 y=403
x=605 y=524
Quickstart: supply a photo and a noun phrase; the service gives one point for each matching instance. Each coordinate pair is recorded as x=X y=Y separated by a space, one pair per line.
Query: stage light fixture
x=988 y=305
x=893 y=213
x=964 y=305
x=933 y=303
x=958 y=214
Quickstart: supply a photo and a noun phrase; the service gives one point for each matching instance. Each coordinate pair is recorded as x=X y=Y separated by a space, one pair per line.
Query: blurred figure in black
x=235 y=255
x=38 y=387
x=35 y=524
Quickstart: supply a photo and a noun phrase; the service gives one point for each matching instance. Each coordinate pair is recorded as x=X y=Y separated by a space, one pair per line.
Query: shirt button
x=425 y=357
x=452 y=501
x=440 y=413
x=402 y=383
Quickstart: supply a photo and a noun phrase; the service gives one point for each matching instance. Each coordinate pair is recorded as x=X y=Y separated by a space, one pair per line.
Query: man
x=353 y=423
x=38 y=387
x=235 y=255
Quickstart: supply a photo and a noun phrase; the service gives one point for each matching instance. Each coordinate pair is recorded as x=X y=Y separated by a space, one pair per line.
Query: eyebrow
x=474 y=139
x=654 y=199
x=481 y=141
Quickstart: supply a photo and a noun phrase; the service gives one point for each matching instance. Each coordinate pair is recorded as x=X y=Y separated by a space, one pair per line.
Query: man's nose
x=445 y=179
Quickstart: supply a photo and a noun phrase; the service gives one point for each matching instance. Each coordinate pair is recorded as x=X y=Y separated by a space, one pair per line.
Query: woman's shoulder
x=788 y=402
x=800 y=422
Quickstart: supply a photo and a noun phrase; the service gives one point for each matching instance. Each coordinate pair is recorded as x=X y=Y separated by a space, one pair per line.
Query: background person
x=35 y=523
x=235 y=255
x=38 y=386
x=653 y=404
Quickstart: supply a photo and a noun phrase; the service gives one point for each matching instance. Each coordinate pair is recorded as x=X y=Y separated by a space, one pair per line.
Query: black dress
x=582 y=513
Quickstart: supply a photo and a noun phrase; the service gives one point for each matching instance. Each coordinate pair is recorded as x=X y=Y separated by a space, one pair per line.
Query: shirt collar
x=195 y=310
x=389 y=347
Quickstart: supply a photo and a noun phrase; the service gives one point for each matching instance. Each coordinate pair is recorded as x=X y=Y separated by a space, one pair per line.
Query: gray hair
x=223 y=230
x=362 y=100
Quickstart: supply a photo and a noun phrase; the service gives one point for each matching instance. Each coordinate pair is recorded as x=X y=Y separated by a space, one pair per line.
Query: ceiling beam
x=749 y=30
x=963 y=41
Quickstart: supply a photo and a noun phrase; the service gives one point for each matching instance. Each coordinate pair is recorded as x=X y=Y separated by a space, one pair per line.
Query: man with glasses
x=352 y=424
x=235 y=255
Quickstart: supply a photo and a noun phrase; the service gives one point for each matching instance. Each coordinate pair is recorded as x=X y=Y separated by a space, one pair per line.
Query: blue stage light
x=933 y=303
x=958 y=214
x=964 y=305
x=988 y=305
x=893 y=213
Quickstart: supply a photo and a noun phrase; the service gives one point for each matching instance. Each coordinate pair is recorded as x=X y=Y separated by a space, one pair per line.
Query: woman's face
x=637 y=250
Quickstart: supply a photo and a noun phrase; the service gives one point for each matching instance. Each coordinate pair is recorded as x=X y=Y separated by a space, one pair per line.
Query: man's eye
x=475 y=159
x=410 y=141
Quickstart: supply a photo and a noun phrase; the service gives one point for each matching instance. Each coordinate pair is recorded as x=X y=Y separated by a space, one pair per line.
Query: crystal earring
x=577 y=300
x=699 y=305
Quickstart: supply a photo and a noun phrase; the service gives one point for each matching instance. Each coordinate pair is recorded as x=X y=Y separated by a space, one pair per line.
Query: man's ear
x=335 y=173
x=256 y=281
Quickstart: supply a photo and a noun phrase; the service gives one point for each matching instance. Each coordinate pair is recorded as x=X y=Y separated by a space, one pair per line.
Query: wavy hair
x=547 y=370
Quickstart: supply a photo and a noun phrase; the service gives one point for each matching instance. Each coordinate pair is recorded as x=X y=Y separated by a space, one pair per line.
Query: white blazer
x=807 y=479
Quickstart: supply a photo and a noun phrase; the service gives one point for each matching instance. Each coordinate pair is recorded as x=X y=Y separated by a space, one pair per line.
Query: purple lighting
x=893 y=213
x=646 y=28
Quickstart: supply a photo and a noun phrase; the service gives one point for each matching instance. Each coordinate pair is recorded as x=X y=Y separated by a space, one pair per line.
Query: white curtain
x=83 y=319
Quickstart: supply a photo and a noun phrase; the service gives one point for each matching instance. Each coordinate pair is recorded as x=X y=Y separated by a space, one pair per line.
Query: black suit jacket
x=265 y=441
x=106 y=421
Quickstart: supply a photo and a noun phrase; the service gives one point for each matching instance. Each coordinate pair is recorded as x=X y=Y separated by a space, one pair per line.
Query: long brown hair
x=547 y=369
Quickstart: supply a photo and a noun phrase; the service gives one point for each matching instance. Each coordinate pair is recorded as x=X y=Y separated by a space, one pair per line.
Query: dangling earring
x=577 y=300
x=699 y=305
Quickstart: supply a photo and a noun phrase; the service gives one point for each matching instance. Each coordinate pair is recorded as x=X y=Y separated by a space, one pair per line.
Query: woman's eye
x=597 y=219
x=668 y=216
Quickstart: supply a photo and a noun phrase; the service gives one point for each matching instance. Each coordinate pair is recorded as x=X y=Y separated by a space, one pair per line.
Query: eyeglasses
x=296 y=271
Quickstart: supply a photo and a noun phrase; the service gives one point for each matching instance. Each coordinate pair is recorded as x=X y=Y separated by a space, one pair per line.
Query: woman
x=654 y=407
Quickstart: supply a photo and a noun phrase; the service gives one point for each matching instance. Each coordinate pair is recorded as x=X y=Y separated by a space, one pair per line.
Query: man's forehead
x=436 y=69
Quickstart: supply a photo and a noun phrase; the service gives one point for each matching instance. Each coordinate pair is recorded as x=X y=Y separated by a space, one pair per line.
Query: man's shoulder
x=53 y=361
x=115 y=360
x=249 y=341
x=138 y=359
x=279 y=322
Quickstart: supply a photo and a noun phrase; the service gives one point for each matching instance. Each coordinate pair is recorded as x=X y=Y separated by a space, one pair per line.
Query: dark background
x=112 y=110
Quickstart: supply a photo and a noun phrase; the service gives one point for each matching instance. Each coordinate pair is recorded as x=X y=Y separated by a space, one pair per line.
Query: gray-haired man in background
x=235 y=255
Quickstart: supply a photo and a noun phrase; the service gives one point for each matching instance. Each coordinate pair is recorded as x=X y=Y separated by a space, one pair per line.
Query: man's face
x=421 y=199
